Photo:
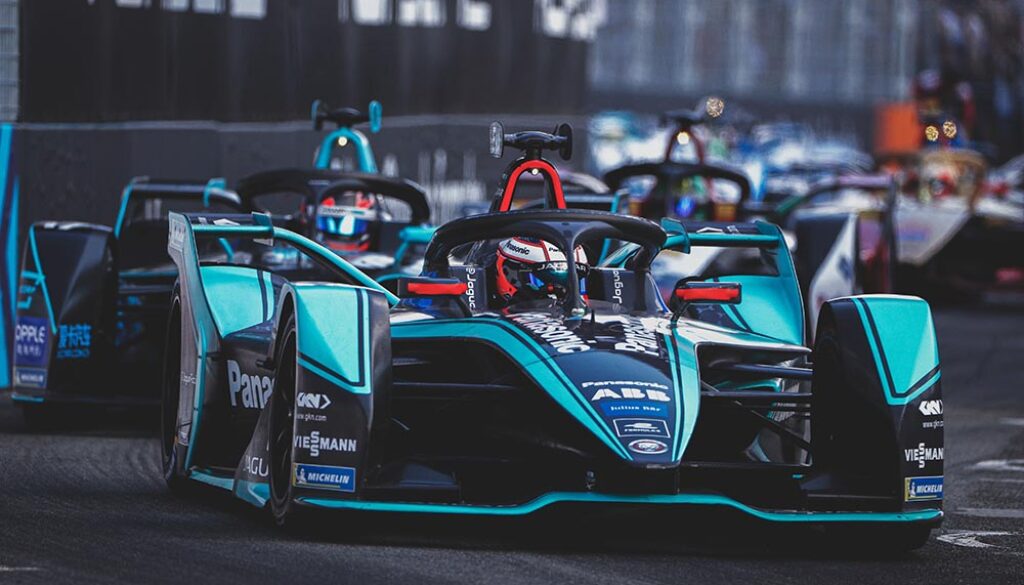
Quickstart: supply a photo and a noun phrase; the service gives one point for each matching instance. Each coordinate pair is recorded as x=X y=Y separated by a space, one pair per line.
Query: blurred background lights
x=714 y=107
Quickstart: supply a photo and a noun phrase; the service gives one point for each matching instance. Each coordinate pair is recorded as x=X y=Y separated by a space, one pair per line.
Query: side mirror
x=687 y=292
x=376 y=111
x=564 y=130
x=316 y=113
x=430 y=287
x=497 y=139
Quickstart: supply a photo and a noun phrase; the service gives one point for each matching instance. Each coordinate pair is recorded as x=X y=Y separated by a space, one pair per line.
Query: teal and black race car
x=92 y=300
x=377 y=223
x=319 y=389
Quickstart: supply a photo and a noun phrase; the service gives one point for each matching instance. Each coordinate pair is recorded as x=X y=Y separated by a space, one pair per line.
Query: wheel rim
x=283 y=424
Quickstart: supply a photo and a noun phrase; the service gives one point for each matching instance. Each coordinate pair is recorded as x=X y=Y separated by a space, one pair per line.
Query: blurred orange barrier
x=897 y=130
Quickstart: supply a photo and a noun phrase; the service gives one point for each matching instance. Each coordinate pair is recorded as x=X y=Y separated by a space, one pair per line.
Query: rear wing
x=773 y=304
x=344 y=134
x=186 y=229
x=208 y=192
x=752 y=235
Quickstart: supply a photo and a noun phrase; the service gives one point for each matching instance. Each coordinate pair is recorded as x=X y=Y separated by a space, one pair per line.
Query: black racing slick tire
x=170 y=451
x=286 y=512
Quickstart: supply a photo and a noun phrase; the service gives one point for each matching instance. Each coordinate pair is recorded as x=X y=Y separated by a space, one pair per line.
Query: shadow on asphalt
x=625 y=531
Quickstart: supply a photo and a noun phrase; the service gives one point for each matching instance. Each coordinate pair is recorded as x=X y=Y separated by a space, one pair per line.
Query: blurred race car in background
x=378 y=223
x=92 y=303
x=92 y=300
x=959 y=231
x=842 y=249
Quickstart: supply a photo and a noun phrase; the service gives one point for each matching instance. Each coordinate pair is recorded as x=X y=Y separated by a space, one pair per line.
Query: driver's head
x=532 y=268
x=347 y=223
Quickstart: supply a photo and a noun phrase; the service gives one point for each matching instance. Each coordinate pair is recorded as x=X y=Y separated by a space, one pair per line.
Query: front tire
x=287 y=513
x=171 y=453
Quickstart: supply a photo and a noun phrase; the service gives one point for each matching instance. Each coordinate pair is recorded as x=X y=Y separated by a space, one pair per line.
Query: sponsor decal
x=638 y=339
x=922 y=454
x=647 y=447
x=256 y=466
x=923 y=488
x=629 y=397
x=324 y=477
x=310 y=417
x=626 y=392
x=25 y=292
x=617 y=285
x=248 y=390
x=933 y=424
x=552 y=331
x=31 y=339
x=634 y=408
x=930 y=407
x=512 y=246
x=176 y=234
x=314 y=442
x=471 y=287
x=75 y=341
x=34 y=377
x=641 y=427
x=312 y=400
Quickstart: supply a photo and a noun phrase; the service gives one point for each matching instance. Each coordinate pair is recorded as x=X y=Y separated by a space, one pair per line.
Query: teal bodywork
x=563 y=377
x=236 y=296
x=772 y=305
x=336 y=351
x=344 y=135
x=673 y=499
x=364 y=153
x=319 y=330
x=241 y=300
x=901 y=335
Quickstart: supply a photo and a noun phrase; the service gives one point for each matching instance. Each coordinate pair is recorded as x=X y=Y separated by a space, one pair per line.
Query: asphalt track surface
x=88 y=505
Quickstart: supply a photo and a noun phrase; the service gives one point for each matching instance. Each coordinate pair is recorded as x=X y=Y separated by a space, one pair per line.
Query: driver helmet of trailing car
x=529 y=268
x=348 y=223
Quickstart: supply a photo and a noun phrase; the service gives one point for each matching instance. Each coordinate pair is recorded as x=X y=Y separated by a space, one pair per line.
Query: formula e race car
x=92 y=300
x=321 y=390
x=841 y=249
x=375 y=222
x=958 y=232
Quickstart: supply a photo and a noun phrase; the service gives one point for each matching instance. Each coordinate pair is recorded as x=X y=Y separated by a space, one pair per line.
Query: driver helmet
x=535 y=268
x=346 y=223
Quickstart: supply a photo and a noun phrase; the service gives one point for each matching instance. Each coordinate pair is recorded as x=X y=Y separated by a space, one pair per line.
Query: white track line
x=1015 y=465
x=1001 y=479
x=992 y=512
x=969 y=538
